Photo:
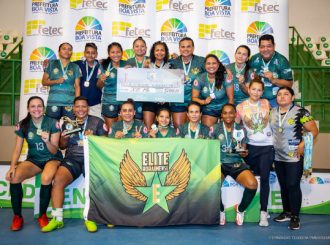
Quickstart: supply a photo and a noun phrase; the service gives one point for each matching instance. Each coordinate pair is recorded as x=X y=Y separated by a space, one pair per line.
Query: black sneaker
x=282 y=217
x=294 y=223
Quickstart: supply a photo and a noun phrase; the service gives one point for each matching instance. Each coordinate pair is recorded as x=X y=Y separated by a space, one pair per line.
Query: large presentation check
x=153 y=85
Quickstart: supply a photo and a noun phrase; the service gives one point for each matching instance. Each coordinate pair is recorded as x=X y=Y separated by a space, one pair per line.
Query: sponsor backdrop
x=217 y=26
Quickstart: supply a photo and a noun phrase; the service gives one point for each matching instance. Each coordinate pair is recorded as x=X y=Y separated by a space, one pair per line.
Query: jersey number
x=40 y=146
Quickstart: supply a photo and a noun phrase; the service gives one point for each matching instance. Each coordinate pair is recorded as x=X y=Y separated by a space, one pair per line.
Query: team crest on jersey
x=195 y=71
x=70 y=72
x=291 y=121
x=205 y=89
x=68 y=108
x=54 y=108
x=30 y=135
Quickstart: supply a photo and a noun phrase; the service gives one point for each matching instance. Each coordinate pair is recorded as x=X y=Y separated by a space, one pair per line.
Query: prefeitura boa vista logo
x=159 y=191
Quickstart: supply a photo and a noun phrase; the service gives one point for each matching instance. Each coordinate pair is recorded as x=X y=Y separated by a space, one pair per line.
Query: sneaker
x=17 y=223
x=239 y=216
x=294 y=223
x=90 y=226
x=222 y=218
x=263 y=219
x=282 y=217
x=53 y=225
x=43 y=220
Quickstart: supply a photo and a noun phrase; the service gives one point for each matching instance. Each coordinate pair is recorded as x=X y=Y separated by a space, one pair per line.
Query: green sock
x=45 y=193
x=247 y=198
x=16 y=193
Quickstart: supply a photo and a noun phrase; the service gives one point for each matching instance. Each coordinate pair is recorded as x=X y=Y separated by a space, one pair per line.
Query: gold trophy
x=71 y=126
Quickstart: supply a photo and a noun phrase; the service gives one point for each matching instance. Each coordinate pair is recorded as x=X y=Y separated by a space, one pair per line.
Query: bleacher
x=10 y=75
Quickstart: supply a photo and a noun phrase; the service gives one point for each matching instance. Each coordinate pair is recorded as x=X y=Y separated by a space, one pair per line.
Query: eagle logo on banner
x=135 y=184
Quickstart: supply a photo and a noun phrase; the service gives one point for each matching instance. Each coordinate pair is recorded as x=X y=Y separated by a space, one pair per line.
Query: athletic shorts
x=110 y=110
x=59 y=111
x=41 y=164
x=178 y=108
x=75 y=167
x=154 y=107
x=210 y=112
x=233 y=169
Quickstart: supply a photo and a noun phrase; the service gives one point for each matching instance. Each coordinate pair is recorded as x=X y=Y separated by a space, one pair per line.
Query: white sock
x=57 y=213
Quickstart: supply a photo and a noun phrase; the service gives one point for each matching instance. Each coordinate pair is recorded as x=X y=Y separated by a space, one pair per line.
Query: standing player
x=212 y=90
x=254 y=113
x=232 y=162
x=42 y=135
x=108 y=81
x=63 y=78
x=242 y=74
x=72 y=165
x=273 y=67
x=288 y=122
x=192 y=65
x=89 y=68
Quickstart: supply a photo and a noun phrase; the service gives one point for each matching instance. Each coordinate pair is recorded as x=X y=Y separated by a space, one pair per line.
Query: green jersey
x=137 y=126
x=205 y=88
x=110 y=84
x=62 y=94
x=203 y=132
x=239 y=95
x=38 y=150
x=191 y=70
x=228 y=143
x=278 y=65
x=171 y=133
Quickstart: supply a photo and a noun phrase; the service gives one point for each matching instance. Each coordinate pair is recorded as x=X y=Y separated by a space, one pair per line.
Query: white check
x=152 y=85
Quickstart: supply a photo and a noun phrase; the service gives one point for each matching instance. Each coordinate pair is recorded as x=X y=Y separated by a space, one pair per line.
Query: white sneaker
x=239 y=216
x=222 y=218
x=263 y=219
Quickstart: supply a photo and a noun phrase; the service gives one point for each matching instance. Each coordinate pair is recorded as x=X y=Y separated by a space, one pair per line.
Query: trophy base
x=65 y=133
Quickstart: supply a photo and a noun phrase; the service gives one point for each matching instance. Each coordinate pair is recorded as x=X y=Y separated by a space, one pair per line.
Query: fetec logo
x=174 y=5
x=173 y=30
x=88 y=4
x=34 y=86
x=40 y=28
x=216 y=8
x=127 y=29
x=127 y=54
x=88 y=28
x=259 y=6
x=37 y=57
x=206 y=31
x=45 y=6
x=77 y=56
x=257 y=29
x=132 y=7
x=222 y=56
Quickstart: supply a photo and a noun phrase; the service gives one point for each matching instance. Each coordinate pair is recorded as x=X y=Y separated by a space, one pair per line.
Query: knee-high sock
x=45 y=193
x=247 y=198
x=16 y=192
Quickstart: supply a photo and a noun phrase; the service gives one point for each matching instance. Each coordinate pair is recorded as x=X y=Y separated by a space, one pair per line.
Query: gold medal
x=39 y=131
x=107 y=73
x=280 y=130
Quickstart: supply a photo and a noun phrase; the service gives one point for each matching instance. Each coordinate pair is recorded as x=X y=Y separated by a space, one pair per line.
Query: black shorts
x=76 y=168
x=154 y=107
x=41 y=164
x=233 y=169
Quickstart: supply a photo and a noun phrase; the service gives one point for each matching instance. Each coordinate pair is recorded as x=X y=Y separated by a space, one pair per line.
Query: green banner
x=152 y=182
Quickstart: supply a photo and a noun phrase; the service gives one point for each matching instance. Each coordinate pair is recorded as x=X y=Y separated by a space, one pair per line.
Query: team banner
x=151 y=85
x=152 y=182
x=216 y=26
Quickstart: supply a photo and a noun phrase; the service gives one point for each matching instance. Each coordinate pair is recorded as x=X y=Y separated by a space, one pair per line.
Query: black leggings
x=289 y=175
x=260 y=160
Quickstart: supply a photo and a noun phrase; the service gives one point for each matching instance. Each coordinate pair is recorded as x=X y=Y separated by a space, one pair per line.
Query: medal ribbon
x=89 y=76
x=185 y=69
x=196 y=132
x=281 y=122
x=238 y=71
x=138 y=64
x=211 y=88
x=228 y=143
x=81 y=134
x=62 y=68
